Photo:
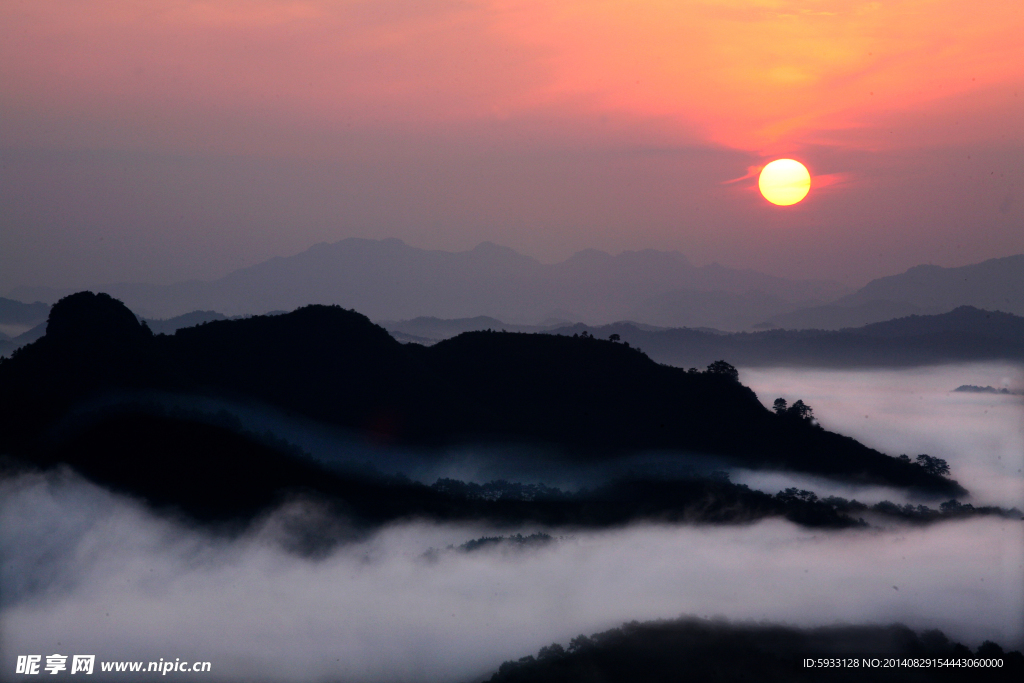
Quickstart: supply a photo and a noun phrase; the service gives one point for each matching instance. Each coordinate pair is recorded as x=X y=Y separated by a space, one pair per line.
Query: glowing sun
x=784 y=182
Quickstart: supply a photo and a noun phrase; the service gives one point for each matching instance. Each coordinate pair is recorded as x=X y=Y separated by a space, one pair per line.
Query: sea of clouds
x=85 y=571
x=913 y=411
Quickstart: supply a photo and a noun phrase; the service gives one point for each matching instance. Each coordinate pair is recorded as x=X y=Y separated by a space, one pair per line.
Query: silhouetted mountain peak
x=315 y=326
x=86 y=317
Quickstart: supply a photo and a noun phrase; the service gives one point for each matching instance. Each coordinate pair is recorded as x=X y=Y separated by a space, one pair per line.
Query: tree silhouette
x=801 y=410
x=933 y=465
x=779 y=406
x=720 y=367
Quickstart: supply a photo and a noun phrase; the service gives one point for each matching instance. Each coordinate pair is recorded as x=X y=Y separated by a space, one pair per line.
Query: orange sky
x=755 y=75
x=885 y=101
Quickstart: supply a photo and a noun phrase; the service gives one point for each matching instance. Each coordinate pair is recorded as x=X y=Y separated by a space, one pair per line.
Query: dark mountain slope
x=210 y=471
x=591 y=398
x=322 y=362
x=722 y=652
x=169 y=326
x=93 y=345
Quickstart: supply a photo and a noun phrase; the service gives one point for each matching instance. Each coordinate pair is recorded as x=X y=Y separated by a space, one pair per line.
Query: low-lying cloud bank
x=88 y=572
x=913 y=411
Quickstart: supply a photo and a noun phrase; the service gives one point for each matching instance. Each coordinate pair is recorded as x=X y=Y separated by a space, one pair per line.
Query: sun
x=784 y=182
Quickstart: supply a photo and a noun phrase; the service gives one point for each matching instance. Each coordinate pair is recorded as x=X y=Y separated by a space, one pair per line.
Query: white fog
x=85 y=571
x=915 y=411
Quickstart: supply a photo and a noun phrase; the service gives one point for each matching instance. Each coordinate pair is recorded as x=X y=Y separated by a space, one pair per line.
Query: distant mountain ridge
x=390 y=280
x=994 y=324
x=18 y=313
x=995 y=285
x=966 y=334
x=17 y=323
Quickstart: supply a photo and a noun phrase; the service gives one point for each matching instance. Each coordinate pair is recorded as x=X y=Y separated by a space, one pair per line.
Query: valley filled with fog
x=913 y=411
x=88 y=571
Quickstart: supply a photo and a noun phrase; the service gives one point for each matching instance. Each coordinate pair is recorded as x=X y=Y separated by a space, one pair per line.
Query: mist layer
x=89 y=572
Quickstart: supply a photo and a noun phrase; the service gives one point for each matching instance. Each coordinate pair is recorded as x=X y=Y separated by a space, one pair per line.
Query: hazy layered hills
x=9 y=344
x=18 y=313
x=966 y=334
x=389 y=280
x=585 y=398
x=16 y=322
x=995 y=285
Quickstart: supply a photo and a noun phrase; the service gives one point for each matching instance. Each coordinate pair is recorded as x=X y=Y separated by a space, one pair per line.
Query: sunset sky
x=161 y=140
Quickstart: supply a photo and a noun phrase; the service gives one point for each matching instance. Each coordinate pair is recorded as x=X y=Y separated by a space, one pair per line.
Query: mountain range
x=966 y=334
x=994 y=285
x=585 y=400
x=389 y=280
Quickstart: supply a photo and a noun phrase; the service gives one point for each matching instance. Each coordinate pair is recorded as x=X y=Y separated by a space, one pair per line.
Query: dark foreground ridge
x=208 y=469
x=592 y=400
x=720 y=652
x=217 y=475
